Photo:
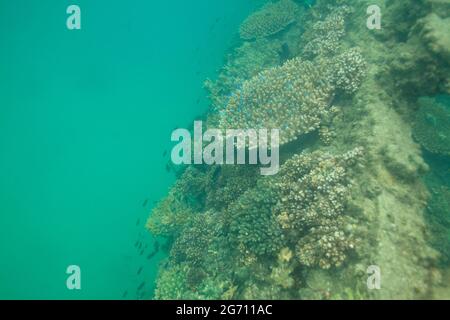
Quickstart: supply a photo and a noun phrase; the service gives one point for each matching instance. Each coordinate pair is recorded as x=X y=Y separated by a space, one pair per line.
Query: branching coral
x=313 y=193
x=271 y=19
x=349 y=70
x=432 y=126
x=324 y=36
x=252 y=223
x=169 y=216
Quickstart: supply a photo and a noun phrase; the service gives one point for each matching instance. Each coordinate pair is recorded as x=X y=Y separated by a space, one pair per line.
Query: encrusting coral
x=432 y=126
x=271 y=19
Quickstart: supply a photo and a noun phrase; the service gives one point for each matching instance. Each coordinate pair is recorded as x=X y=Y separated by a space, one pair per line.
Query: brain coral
x=272 y=18
x=432 y=126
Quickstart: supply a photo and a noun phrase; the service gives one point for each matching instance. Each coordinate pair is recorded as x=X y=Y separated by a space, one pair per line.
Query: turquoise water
x=85 y=118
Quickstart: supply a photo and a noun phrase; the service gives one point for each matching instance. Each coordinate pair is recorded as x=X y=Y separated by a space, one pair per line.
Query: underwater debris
x=271 y=19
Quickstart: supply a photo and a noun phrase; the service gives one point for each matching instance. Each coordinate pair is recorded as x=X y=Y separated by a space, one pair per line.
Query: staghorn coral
x=271 y=19
x=432 y=126
x=294 y=97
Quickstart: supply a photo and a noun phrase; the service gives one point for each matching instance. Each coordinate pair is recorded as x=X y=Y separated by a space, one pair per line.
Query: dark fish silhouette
x=125 y=294
x=168 y=168
x=145 y=203
x=141 y=285
x=151 y=255
x=165 y=153
x=284 y=53
x=155 y=250
x=136 y=244
x=198 y=100
x=140 y=270
x=138 y=221
x=142 y=252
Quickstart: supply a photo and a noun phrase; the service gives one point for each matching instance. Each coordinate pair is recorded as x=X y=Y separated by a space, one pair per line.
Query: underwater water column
x=85 y=118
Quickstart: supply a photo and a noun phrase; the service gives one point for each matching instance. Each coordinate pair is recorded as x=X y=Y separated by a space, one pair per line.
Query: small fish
x=136 y=244
x=140 y=270
x=138 y=221
x=140 y=246
x=198 y=100
x=141 y=285
x=145 y=203
x=151 y=255
x=168 y=168
x=142 y=252
x=125 y=294
x=165 y=153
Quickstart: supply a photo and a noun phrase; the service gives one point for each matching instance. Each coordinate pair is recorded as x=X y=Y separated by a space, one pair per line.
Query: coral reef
x=244 y=63
x=313 y=191
x=294 y=97
x=325 y=36
x=311 y=231
x=271 y=19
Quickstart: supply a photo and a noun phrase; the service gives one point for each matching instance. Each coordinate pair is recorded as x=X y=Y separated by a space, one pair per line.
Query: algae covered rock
x=432 y=126
x=436 y=34
x=271 y=19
